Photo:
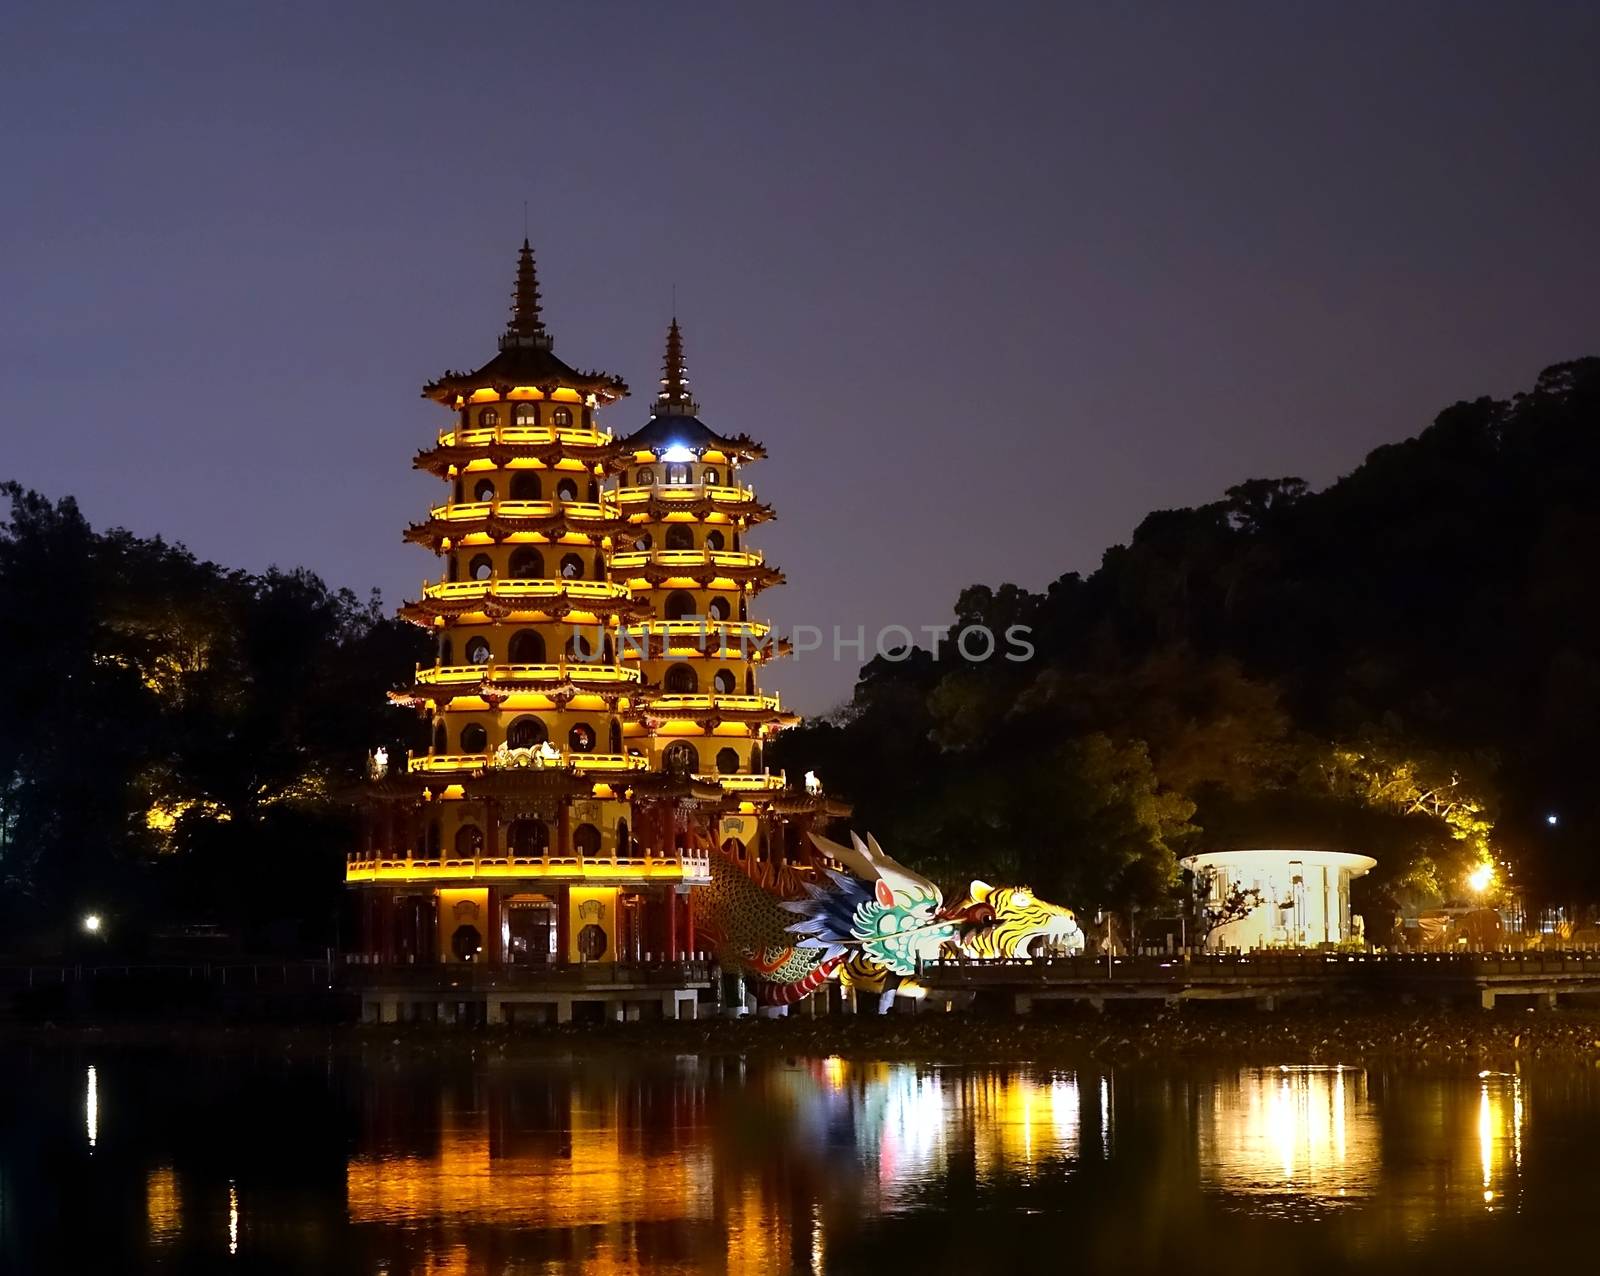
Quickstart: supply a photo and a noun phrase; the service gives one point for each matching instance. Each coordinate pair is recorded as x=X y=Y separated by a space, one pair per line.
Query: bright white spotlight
x=677 y=452
x=92 y=923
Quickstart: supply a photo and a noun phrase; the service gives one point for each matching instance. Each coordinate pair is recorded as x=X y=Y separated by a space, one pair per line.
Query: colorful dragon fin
x=825 y=916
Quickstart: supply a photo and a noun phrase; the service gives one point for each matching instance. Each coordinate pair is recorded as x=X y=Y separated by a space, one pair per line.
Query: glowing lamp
x=677 y=452
x=92 y=923
x=1481 y=878
x=1552 y=819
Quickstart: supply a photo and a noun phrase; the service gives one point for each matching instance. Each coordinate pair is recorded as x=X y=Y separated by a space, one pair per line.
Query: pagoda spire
x=526 y=327
x=674 y=397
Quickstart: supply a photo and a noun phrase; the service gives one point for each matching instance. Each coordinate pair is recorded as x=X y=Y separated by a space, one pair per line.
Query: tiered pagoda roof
x=673 y=422
x=503 y=599
x=526 y=355
x=499 y=519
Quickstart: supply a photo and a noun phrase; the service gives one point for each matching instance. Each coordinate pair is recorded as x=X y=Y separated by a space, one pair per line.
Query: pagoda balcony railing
x=512 y=590
x=473 y=511
x=573 y=670
x=692 y=631
x=688 y=558
x=736 y=783
x=367 y=970
x=529 y=760
x=405 y=865
x=685 y=492
x=479 y=436
x=678 y=703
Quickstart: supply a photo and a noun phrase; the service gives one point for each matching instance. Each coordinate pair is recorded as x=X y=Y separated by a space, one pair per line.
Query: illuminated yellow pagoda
x=528 y=841
x=689 y=514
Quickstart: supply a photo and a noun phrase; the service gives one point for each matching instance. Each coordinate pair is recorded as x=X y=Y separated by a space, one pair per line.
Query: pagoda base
x=592 y=992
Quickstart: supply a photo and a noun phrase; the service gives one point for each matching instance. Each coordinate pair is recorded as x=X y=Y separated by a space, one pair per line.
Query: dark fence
x=280 y=990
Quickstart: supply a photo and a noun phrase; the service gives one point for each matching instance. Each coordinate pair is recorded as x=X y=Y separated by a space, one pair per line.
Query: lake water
x=116 y=1161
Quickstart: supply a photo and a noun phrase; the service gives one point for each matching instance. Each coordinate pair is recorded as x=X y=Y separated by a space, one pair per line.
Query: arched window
x=571 y=567
x=566 y=490
x=681 y=758
x=489 y=418
x=561 y=417
x=624 y=844
x=644 y=541
x=481 y=568
x=525 y=485
x=460 y=491
x=681 y=680
x=527 y=563
x=579 y=647
x=616 y=735
x=446 y=650
x=718 y=609
x=645 y=477
x=474 y=739
x=469 y=841
x=678 y=475
x=710 y=477
x=432 y=840
x=680 y=536
x=594 y=491
x=527 y=733
x=680 y=605
x=527 y=837
x=586 y=839
x=725 y=681
x=714 y=539
x=483 y=490
x=527 y=647
x=525 y=414
x=466 y=943
x=755 y=759
x=727 y=762
x=581 y=739
x=478 y=652
x=441 y=737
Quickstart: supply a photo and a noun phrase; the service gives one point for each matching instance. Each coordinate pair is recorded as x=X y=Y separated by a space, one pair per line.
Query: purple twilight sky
x=990 y=280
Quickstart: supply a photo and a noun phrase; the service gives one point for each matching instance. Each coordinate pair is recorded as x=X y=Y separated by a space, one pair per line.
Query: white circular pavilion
x=1305 y=896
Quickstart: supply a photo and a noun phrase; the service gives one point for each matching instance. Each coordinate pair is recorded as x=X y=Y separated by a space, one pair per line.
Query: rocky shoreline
x=1448 y=1038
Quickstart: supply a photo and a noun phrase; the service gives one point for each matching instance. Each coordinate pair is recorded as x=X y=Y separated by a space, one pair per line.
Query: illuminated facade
x=702 y=647
x=595 y=724
x=1304 y=896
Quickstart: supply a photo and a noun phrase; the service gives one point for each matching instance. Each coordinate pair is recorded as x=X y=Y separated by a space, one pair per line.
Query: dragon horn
x=854 y=858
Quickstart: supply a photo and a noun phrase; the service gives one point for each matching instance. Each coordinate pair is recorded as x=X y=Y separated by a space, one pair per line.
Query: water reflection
x=1301 y=1138
x=408 y=1167
x=1500 y=1119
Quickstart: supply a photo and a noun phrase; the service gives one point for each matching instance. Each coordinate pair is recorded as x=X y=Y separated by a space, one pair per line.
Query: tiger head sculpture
x=1011 y=921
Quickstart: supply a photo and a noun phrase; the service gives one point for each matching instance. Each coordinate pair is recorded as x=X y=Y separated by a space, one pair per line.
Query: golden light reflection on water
x=599 y=1182
x=1295 y=1141
x=1499 y=1130
x=762 y=1167
x=1307 y=1134
x=163 y=1205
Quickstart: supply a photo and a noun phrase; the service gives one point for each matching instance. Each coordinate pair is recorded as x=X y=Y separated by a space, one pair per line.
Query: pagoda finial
x=674 y=397
x=526 y=327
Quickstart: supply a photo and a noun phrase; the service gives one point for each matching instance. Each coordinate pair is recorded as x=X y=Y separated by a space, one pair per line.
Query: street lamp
x=1481 y=878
